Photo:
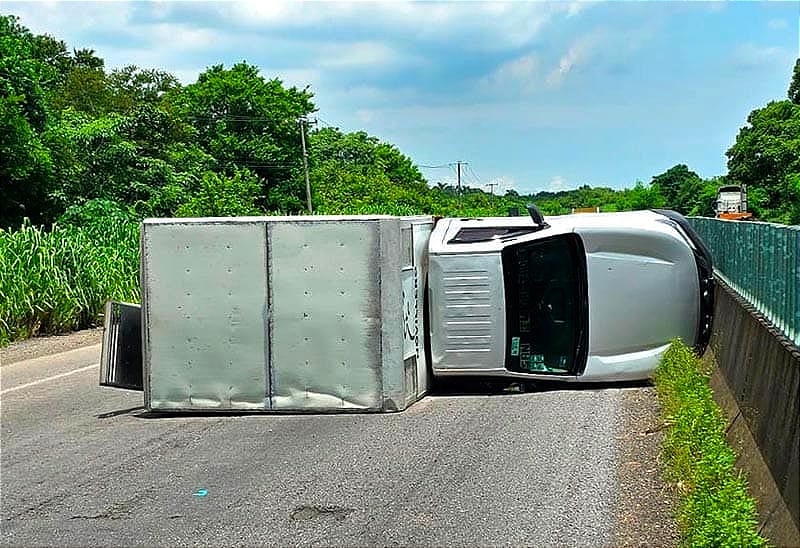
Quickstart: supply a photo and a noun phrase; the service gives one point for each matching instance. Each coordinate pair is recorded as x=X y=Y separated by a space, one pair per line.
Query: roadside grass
x=57 y=280
x=715 y=508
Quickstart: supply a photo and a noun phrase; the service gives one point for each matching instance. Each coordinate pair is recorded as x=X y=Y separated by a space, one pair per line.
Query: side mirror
x=536 y=215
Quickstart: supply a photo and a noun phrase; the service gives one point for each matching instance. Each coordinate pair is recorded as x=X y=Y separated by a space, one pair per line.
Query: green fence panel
x=762 y=262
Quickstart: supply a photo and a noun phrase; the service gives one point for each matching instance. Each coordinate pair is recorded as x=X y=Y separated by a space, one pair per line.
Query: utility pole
x=458 y=165
x=305 y=164
x=491 y=187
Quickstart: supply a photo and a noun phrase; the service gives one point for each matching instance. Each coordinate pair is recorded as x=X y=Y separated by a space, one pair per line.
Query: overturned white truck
x=357 y=313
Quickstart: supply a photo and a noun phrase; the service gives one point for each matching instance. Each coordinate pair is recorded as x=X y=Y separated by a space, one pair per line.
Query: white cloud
x=578 y=53
x=183 y=38
x=574 y=8
x=751 y=55
x=557 y=183
x=487 y=26
x=358 y=54
x=520 y=74
x=61 y=20
x=777 y=24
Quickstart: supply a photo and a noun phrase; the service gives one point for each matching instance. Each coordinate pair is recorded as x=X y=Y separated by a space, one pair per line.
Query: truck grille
x=468 y=313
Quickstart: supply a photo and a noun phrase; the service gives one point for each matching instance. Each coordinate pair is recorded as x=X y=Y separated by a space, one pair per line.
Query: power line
x=244 y=118
x=474 y=175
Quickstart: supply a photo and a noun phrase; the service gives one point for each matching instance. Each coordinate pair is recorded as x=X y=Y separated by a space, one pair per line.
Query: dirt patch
x=645 y=502
x=45 y=346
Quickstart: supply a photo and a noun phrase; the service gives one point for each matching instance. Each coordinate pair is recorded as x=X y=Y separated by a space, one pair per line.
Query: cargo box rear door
x=121 y=359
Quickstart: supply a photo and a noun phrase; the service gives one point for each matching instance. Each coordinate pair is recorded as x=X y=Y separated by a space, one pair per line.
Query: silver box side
x=205 y=302
x=326 y=314
x=391 y=299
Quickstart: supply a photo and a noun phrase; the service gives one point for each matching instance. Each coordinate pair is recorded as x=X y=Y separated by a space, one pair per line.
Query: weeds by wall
x=715 y=507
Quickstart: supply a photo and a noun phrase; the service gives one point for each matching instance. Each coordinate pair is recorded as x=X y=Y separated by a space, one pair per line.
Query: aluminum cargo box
x=276 y=314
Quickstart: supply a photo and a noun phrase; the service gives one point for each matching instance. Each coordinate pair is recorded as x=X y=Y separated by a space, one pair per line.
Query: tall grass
x=58 y=280
x=715 y=507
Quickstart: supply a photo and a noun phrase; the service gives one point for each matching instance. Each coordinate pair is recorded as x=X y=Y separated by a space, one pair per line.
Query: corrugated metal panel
x=762 y=262
x=326 y=315
x=467 y=307
x=205 y=306
x=468 y=311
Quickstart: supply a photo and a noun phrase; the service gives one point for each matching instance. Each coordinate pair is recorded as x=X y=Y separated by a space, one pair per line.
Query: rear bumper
x=705 y=273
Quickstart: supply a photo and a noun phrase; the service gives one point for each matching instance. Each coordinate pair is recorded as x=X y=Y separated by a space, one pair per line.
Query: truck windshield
x=546 y=306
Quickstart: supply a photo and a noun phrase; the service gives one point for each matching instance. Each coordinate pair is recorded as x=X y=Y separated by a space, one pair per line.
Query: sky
x=534 y=96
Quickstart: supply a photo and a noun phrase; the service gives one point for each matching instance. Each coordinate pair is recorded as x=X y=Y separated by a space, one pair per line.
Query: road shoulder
x=44 y=346
x=645 y=501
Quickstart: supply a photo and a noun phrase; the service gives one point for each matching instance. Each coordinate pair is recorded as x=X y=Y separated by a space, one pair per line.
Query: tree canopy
x=766 y=158
x=74 y=133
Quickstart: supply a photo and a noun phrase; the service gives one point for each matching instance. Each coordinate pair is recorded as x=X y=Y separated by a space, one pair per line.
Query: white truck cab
x=591 y=297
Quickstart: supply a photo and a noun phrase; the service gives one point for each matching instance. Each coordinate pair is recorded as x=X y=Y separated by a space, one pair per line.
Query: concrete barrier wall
x=757 y=383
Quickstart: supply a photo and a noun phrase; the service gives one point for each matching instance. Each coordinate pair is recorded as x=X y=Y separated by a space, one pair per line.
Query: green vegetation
x=715 y=508
x=79 y=140
x=59 y=279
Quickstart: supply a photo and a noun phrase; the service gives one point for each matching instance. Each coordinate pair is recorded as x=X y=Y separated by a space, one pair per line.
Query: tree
x=794 y=86
x=21 y=73
x=53 y=53
x=362 y=152
x=356 y=173
x=132 y=86
x=220 y=196
x=766 y=158
x=25 y=164
x=85 y=88
x=677 y=185
x=127 y=158
x=25 y=168
x=640 y=197
x=245 y=121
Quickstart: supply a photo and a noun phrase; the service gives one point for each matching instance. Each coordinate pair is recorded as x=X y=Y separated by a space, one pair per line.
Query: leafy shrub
x=220 y=196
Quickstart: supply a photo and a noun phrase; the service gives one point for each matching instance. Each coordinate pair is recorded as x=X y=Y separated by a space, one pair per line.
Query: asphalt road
x=82 y=465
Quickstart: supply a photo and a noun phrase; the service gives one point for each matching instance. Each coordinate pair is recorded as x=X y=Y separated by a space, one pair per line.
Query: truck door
x=121 y=358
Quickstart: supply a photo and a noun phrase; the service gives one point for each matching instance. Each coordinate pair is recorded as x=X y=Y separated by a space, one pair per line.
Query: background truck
x=731 y=203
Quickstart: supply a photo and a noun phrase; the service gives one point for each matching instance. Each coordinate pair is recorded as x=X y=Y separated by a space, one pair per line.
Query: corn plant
x=58 y=280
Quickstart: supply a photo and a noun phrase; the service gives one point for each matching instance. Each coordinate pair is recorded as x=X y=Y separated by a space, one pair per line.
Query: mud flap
x=121 y=359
